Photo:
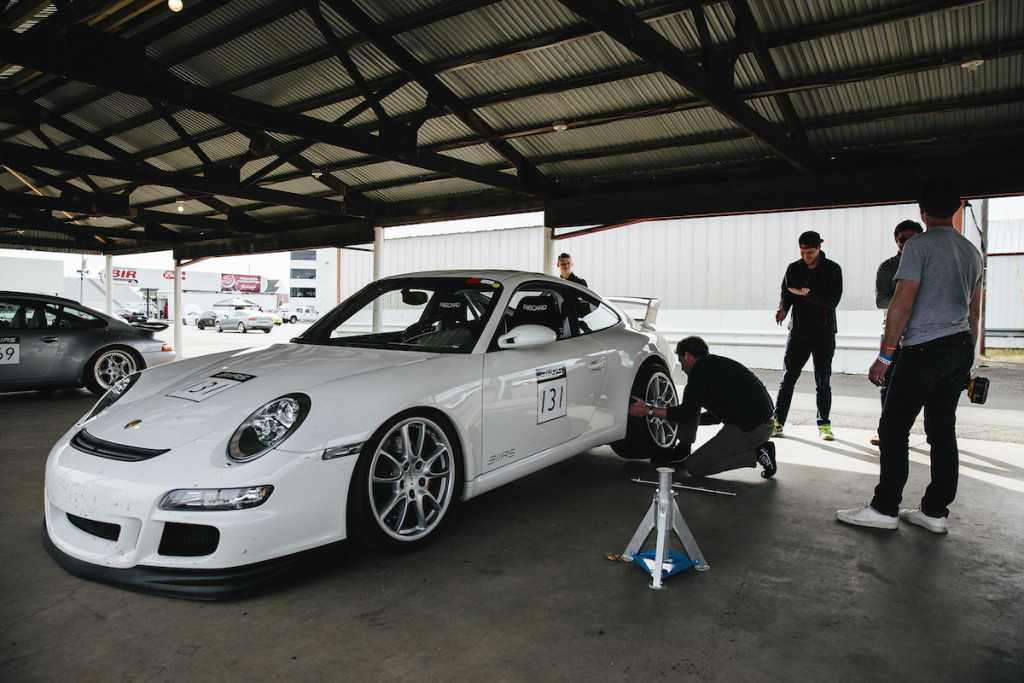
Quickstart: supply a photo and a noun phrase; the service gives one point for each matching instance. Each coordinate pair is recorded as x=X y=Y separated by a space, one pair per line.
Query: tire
x=200 y=325
x=400 y=496
x=649 y=437
x=217 y=326
x=241 y=328
x=267 y=330
x=108 y=366
x=293 y=320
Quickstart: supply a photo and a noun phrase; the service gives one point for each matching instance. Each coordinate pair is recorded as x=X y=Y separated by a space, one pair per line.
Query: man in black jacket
x=731 y=394
x=812 y=288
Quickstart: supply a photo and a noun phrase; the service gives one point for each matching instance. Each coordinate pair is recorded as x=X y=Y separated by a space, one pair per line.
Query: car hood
x=155 y=414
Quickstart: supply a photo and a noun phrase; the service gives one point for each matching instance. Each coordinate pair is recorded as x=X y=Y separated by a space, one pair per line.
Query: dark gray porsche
x=50 y=342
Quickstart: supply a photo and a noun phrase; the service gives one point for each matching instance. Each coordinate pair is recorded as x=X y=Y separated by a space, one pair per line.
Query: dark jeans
x=798 y=350
x=884 y=389
x=729 y=449
x=929 y=376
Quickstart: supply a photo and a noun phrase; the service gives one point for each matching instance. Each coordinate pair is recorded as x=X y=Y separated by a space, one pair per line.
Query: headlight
x=268 y=427
x=116 y=391
x=216 y=499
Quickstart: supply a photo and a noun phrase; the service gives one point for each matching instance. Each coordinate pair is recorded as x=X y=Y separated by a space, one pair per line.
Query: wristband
x=886 y=360
x=890 y=348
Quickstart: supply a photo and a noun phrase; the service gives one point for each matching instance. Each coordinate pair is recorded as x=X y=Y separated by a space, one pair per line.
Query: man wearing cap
x=812 y=288
x=934 y=317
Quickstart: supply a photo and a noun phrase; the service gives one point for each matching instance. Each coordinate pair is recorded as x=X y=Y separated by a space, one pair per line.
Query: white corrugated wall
x=716 y=277
x=1004 y=285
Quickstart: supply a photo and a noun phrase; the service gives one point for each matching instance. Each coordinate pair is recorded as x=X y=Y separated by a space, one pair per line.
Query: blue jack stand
x=661 y=562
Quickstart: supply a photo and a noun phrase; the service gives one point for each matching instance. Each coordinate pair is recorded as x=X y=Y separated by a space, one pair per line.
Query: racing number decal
x=552 y=393
x=10 y=351
x=205 y=388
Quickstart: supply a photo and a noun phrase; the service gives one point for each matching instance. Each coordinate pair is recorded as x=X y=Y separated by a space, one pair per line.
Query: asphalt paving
x=520 y=587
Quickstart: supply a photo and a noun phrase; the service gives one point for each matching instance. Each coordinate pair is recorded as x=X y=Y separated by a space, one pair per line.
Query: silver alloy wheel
x=110 y=366
x=241 y=327
x=661 y=393
x=217 y=326
x=411 y=479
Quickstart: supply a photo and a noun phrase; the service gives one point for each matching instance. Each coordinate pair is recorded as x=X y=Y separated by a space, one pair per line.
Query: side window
x=8 y=309
x=24 y=316
x=593 y=315
x=537 y=305
x=75 y=319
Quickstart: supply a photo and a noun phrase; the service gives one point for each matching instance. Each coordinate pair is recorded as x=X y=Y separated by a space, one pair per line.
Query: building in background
x=716 y=277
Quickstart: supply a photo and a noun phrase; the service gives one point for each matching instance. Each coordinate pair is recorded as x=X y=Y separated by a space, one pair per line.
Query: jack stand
x=663 y=562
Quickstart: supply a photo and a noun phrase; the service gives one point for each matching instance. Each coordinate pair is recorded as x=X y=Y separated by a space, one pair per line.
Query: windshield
x=443 y=315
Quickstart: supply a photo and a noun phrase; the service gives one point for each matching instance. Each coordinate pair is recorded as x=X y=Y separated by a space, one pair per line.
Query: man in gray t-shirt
x=935 y=310
x=947 y=268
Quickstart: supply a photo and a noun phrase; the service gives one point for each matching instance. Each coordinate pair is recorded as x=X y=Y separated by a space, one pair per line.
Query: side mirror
x=527 y=337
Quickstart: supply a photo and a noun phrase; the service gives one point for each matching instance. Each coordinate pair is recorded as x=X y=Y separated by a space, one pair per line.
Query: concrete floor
x=518 y=588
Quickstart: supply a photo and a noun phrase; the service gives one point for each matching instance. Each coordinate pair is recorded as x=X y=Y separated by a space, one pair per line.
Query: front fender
x=348 y=411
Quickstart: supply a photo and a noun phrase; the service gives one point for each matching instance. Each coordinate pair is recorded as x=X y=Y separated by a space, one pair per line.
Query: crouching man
x=731 y=394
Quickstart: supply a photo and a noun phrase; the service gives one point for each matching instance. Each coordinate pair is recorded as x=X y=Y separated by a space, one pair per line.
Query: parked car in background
x=276 y=317
x=301 y=314
x=51 y=342
x=243 y=320
x=418 y=392
x=132 y=316
x=206 y=319
x=192 y=313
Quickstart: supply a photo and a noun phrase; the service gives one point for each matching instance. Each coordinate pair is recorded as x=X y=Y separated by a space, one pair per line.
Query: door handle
x=597 y=365
x=49 y=339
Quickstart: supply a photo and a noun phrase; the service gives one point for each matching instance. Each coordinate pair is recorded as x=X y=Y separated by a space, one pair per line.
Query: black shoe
x=766 y=457
x=673 y=458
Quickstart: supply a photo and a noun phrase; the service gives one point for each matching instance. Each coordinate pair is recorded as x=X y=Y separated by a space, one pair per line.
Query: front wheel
x=217 y=326
x=648 y=437
x=293 y=320
x=241 y=328
x=200 y=325
x=107 y=367
x=404 y=484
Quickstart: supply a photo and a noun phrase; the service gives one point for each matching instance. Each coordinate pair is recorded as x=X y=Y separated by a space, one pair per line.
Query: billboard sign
x=241 y=283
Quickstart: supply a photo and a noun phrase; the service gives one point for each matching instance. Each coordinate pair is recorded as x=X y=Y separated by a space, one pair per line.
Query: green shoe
x=777 y=429
x=825 y=432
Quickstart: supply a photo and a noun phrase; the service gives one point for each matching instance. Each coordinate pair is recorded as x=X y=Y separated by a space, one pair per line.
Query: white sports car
x=211 y=476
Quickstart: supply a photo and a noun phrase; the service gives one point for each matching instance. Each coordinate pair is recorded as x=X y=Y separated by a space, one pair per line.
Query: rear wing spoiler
x=643 y=310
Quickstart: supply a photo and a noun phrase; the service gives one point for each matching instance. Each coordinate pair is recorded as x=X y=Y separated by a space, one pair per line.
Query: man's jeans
x=887 y=380
x=929 y=376
x=729 y=449
x=798 y=350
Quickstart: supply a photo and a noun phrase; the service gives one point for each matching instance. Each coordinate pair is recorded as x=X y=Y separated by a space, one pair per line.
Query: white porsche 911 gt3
x=208 y=477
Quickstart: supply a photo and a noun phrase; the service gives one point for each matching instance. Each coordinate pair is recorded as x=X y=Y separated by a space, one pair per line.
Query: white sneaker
x=866 y=515
x=936 y=525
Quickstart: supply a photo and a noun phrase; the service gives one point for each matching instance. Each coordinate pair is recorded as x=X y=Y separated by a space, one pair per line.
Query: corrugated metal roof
x=876 y=85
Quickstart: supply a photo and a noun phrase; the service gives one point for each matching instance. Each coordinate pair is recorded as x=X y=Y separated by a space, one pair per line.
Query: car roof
x=505 y=277
x=36 y=295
